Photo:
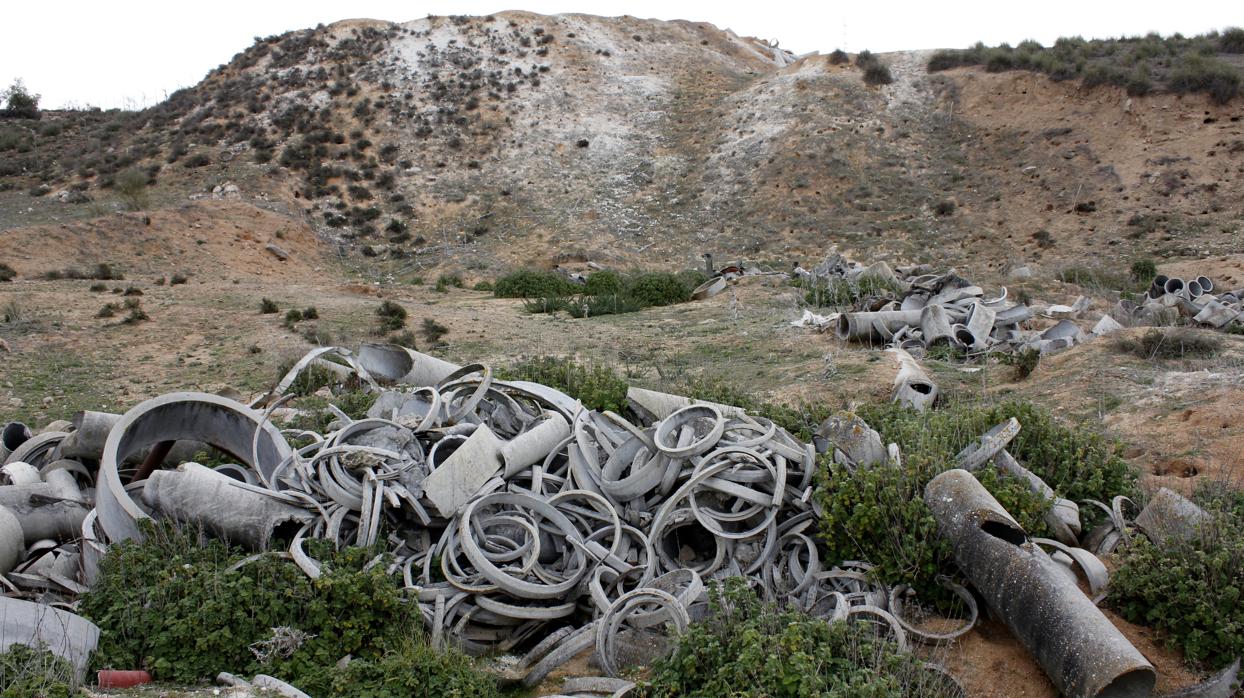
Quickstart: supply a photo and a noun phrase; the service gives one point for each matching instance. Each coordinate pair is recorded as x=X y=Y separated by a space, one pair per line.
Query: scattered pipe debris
x=518 y=518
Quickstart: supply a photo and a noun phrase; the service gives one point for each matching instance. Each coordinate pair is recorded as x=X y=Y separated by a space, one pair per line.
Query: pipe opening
x=1137 y=682
x=15 y=434
x=922 y=388
x=1004 y=531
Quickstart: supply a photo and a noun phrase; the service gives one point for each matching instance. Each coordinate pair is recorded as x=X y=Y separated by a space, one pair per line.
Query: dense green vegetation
x=604 y=293
x=1137 y=64
x=185 y=608
x=1191 y=590
x=879 y=514
x=27 y=671
x=597 y=387
x=748 y=649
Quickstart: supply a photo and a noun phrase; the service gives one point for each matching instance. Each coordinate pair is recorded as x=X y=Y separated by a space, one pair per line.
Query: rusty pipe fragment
x=1077 y=646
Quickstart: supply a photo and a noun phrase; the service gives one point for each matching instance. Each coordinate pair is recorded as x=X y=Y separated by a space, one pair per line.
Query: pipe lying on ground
x=935 y=326
x=1077 y=646
x=881 y=325
x=12 y=540
x=218 y=421
x=239 y=513
x=912 y=386
x=1171 y=516
x=401 y=365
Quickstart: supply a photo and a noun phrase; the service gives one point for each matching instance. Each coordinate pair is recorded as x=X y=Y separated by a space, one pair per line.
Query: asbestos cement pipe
x=218 y=421
x=234 y=511
x=881 y=325
x=935 y=326
x=89 y=435
x=533 y=445
x=401 y=365
x=912 y=386
x=1173 y=285
x=12 y=540
x=1084 y=655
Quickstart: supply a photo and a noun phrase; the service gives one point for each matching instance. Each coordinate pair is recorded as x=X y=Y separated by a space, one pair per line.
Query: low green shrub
x=879 y=514
x=1196 y=73
x=267 y=306
x=747 y=649
x=1178 y=343
x=833 y=292
x=1098 y=279
x=597 y=387
x=531 y=283
x=27 y=671
x=610 y=293
x=172 y=605
x=415 y=669
x=1190 y=590
x=7 y=273
x=1143 y=271
x=392 y=317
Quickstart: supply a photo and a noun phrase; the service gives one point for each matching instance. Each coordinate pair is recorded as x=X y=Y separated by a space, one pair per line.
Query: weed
x=1025 y=361
x=1179 y=343
x=1190 y=589
x=750 y=649
x=392 y=317
x=310 y=313
x=7 y=273
x=1143 y=271
x=1097 y=279
x=838 y=292
x=267 y=306
x=597 y=387
x=945 y=207
x=109 y=310
x=530 y=283
x=131 y=186
x=27 y=671
x=433 y=331
x=178 y=279
x=292 y=316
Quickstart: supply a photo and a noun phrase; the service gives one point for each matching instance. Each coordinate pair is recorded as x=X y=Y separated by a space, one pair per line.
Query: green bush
x=531 y=283
x=610 y=293
x=877 y=74
x=131 y=186
x=415 y=669
x=837 y=292
x=597 y=387
x=267 y=306
x=26 y=671
x=1181 y=343
x=748 y=649
x=7 y=273
x=1143 y=271
x=838 y=57
x=433 y=331
x=171 y=606
x=1190 y=590
x=602 y=283
x=19 y=102
x=392 y=317
x=1099 y=279
x=879 y=514
x=1232 y=40
x=657 y=288
x=1202 y=74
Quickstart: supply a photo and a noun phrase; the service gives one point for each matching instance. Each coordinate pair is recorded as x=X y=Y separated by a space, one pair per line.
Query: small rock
x=277 y=252
x=47 y=400
x=17 y=402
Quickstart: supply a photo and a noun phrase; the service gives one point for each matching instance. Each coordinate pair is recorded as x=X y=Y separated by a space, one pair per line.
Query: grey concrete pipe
x=935 y=325
x=14 y=434
x=89 y=434
x=1173 y=285
x=979 y=325
x=401 y=365
x=533 y=445
x=223 y=423
x=239 y=513
x=1077 y=646
x=863 y=327
x=912 y=386
x=1012 y=316
x=1194 y=289
x=12 y=540
x=1207 y=285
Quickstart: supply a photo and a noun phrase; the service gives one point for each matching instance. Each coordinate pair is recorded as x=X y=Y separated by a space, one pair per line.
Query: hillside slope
x=519 y=139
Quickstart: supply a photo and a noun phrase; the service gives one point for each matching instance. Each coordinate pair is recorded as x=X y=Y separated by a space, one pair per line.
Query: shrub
x=197 y=160
x=603 y=282
x=1232 y=40
x=137 y=315
x=945 y=207
x=1025 y=361
x=292 y=316
x=1189 y=589
x=835 y=292
x=27 y=671
x=267 y=306
x=1096 y=278
x=171 y=605
x=310 y=313
x=433 y=331
x=838 y=57
x=1178 y=343
x=657 y=288
x=877 y=74
x=1202 y=74
x=19 y=102
x=530 y=283
x=483 y=286
x=1143 y=271
x=597 y=387
x=131 y=186
x=879 y=515
x=414 y=669
x=392 y=317
x=109 y=310
x=445 y=281
x=747 y=649
x=7 y=273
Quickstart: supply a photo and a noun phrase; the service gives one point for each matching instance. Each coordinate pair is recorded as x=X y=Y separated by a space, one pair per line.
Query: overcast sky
x=131 y=54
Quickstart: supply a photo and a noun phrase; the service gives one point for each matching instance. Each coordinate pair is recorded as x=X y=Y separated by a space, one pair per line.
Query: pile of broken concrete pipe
x=939 y=309
x=524 y=526
x=1171 y=300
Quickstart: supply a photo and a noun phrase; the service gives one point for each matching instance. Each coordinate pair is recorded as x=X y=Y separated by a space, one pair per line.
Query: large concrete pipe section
x=1083 y=653
x=217 y=421
x=401 y=365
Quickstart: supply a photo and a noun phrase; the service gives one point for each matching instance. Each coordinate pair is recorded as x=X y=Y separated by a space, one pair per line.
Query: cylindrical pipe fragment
x=12 y=540
x=1194 y=289
x=533 y=445
x=89 y=434
x=1173 y=285
x=223 y=423
x=879 y=325
x=912 y=386
x=401 y=365
x=239 y=513
x=1205 y=283
x=1077 y=646
x=935 y=326
x=13 y=435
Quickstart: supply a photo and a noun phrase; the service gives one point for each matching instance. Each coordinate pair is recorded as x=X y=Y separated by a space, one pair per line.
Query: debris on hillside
x=914 y=309
x=520 y=520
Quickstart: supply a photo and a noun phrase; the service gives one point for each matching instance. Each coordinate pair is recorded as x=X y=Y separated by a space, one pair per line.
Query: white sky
x=131 y=54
